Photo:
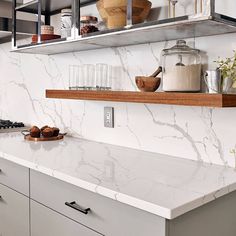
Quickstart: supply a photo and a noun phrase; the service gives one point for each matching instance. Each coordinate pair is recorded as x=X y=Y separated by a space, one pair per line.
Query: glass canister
x=66 y=23
x=89 y=24
x=181 y=68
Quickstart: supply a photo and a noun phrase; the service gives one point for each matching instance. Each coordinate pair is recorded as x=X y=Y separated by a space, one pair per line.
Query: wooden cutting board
x=45 y=37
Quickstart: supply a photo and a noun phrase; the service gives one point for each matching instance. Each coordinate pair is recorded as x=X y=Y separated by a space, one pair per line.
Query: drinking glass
x=89 y=76
x=104 y=77
x=108 y=82
x=80 y=77
x=76 y=77
x=73 y=77
x=101 y=76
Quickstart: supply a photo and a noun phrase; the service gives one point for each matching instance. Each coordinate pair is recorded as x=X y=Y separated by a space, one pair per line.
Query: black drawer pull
x=75 y=206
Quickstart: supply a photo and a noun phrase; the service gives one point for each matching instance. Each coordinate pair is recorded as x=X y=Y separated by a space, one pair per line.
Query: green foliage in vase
x=228 y=67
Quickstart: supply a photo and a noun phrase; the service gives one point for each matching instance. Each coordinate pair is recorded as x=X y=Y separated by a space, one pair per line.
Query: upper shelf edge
x=167 y=30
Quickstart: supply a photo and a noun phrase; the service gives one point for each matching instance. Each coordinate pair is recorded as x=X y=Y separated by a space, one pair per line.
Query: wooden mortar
x=149 y=83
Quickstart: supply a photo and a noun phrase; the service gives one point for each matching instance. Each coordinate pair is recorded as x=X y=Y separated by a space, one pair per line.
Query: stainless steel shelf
x=50 y=7
x=143 y=33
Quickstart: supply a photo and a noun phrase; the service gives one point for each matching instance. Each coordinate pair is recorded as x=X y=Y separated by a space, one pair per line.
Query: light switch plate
x=109 y=117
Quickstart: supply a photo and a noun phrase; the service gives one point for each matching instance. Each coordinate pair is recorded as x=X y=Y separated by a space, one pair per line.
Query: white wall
x=195 y=133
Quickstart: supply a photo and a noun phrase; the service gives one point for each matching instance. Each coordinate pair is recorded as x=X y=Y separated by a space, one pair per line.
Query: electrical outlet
x=109 y=117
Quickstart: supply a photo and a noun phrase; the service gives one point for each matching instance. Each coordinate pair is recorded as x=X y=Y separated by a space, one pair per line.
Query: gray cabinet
x=45 y=222
x=44 y=212
x=107 y=216
x=14 y=213
x=217 y=218
x=14 y=176
x=112 y=218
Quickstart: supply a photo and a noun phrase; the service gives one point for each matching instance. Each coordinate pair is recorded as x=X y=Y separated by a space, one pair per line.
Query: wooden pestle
x=157 y=72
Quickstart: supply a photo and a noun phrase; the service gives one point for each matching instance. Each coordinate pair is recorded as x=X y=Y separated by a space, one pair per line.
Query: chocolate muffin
x=56 y=131
x=47 y=132
x=35 y=132
x=44 y=127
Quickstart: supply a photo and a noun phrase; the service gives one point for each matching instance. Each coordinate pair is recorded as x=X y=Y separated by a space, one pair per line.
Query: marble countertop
x=159 y=184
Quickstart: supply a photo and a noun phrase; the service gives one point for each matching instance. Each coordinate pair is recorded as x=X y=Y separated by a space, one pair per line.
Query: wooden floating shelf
x=183 y=99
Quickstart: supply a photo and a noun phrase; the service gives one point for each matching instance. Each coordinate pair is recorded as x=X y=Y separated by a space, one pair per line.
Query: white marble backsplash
x=196 y=133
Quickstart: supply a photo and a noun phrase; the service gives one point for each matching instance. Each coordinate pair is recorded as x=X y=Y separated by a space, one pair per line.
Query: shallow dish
x=28 y=137
x=43 y=139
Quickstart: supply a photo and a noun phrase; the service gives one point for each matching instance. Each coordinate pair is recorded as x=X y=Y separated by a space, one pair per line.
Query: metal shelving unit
x=47 y=8
x=155 y=31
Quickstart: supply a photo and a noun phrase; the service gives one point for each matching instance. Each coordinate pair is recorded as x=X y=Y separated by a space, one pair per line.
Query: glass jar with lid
x=66 y=23
x=181 y=68
x=89 y=24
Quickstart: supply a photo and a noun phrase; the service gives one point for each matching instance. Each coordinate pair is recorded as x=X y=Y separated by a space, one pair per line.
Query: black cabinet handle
x=75 y=206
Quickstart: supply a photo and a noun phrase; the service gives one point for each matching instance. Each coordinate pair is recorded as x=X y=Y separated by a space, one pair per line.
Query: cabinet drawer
x=45 y=222
x=14 y=213
x=107 y=216
x=14 y=176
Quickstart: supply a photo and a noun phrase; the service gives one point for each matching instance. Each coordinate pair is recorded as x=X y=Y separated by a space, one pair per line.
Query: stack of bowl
x=114 y=12
x=47 y=33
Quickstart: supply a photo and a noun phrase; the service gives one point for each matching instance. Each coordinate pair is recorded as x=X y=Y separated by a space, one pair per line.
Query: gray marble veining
x=201 y=134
